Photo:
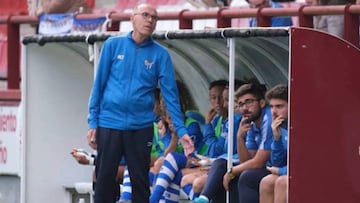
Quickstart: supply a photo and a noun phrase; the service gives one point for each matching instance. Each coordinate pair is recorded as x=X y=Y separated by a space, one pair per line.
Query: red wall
x=324 y=165
x=13 y=7
x=3 y=51
x=7 y=7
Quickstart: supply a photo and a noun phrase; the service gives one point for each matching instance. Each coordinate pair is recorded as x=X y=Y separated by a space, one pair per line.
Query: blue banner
x=65 y=23
x=56 y=23
x=88 y=25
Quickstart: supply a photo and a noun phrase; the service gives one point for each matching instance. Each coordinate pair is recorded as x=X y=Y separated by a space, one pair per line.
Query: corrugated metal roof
x=198 y=61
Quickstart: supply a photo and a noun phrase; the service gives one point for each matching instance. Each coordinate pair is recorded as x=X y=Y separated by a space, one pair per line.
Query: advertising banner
x=56 y=23
x=51 y=24
x=9 y=140
x=88 y=25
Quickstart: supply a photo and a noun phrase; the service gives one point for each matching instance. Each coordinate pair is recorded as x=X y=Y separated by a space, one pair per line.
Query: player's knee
x=281 y=182
x=186 y=180
x=198 y=185
x=267 y=184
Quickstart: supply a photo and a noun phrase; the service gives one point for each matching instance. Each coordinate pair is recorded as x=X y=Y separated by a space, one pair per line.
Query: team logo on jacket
x=120 y=57
x=148 y=64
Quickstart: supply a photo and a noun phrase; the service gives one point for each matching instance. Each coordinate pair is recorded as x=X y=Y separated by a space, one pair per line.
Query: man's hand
x=81 y=158
x=274 y=170
x=275 y=126
x=244 y=126
x=192 y=162
x=91 y=138
x=210 y=115
x=187 y=144
x=226 y=181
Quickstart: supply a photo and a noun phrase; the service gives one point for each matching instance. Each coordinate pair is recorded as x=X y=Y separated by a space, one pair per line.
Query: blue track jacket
x=279 y=152
x=262 y=137
x=122 y=95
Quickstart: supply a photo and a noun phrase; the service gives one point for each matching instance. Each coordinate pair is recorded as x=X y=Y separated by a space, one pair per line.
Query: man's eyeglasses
x=147 y=15
x=247 y=102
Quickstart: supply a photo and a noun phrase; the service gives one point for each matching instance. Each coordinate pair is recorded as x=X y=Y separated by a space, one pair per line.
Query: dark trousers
x=248 y=185
x=135 y=145
x=214 y=189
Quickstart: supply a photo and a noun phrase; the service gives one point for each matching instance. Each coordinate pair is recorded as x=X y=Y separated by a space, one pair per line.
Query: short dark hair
x=279 y=91
x=238 y=83
x=252 y=87
x=220 y=83
x=185 y=98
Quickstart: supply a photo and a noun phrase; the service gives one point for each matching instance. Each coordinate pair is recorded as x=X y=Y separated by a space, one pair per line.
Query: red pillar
x=305 y=20
x=263 y=21
x=184 y=23
x=13 y=50
x=222 y=22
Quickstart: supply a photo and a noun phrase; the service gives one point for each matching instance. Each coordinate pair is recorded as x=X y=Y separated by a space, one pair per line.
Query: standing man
x=121 y=105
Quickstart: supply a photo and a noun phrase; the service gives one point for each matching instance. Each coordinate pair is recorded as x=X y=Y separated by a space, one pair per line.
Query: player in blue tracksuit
x=171 y=171
x=219 y=144
x=121 y=105
x=195 y=133
x=279 y=150
x=274 y=186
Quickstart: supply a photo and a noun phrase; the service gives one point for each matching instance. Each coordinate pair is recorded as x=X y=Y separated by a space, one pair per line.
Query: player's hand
x=274 y=170
x=244 y=126
x=275 y=126
x=187 y=144
x=226 y=181
x=91 y=138
x=81 y=156
x=210 y=115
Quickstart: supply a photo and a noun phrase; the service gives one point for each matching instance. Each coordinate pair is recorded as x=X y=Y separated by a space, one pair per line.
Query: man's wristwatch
x=230 y=173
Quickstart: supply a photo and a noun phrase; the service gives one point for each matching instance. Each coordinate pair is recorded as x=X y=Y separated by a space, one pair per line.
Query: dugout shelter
x=320 y=69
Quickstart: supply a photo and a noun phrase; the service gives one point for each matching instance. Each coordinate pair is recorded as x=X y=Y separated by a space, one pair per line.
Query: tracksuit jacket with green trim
x=161 y=143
